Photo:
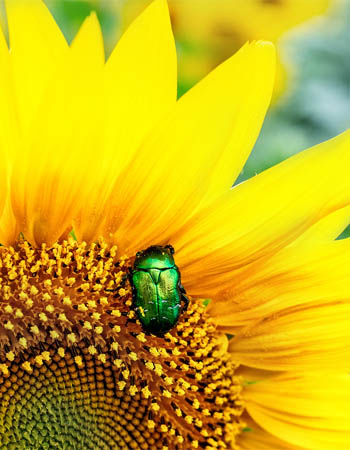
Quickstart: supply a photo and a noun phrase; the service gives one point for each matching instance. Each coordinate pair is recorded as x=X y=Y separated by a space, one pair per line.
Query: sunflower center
x=77 y=370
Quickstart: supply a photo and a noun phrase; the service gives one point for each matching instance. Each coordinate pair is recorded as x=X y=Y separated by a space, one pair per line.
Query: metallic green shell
x=156 y=293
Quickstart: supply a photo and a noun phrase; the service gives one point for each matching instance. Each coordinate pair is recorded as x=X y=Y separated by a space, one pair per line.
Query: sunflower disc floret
x=72 y=349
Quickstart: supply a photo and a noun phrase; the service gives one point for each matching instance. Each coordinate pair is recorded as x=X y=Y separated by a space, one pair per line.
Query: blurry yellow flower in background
x=107 y=150
x=208 y=31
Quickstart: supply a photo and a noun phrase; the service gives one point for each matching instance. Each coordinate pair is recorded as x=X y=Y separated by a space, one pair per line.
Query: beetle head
x=155 y=257
x=170 y=248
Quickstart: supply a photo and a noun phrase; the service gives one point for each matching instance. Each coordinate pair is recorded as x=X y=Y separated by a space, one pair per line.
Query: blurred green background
x=312 y=95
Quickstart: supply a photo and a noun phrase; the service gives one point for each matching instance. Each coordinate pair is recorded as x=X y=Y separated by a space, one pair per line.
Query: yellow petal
x=139 y=88
x=55 y=160
x=140 y=81
x=37 y=45
x=308 y=337
x=253 y=80
x=262 y=215
x=9 y=230
x=8 y=119
x=291 y=312
x=3 y=185
x=256 y=438
x=295 y=276
x=88 y=43
x=173 y=169
x=8 y=131
x=326 y=229
x=311 y=411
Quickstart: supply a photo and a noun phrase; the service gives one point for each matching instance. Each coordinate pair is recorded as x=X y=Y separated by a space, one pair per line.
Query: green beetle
x=157 y=290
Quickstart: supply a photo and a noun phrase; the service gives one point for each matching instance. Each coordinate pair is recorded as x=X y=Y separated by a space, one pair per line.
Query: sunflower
x=100 y=162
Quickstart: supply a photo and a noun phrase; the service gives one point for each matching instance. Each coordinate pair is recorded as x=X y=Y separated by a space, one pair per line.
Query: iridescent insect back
x=157 y=289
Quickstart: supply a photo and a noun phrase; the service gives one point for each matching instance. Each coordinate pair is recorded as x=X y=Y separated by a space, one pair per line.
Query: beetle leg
x=182 y=289
x=184 y=297
x=125 y=278
x=186 y=301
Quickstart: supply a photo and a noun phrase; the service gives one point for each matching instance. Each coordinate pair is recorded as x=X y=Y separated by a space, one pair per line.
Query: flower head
x=99 y=162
